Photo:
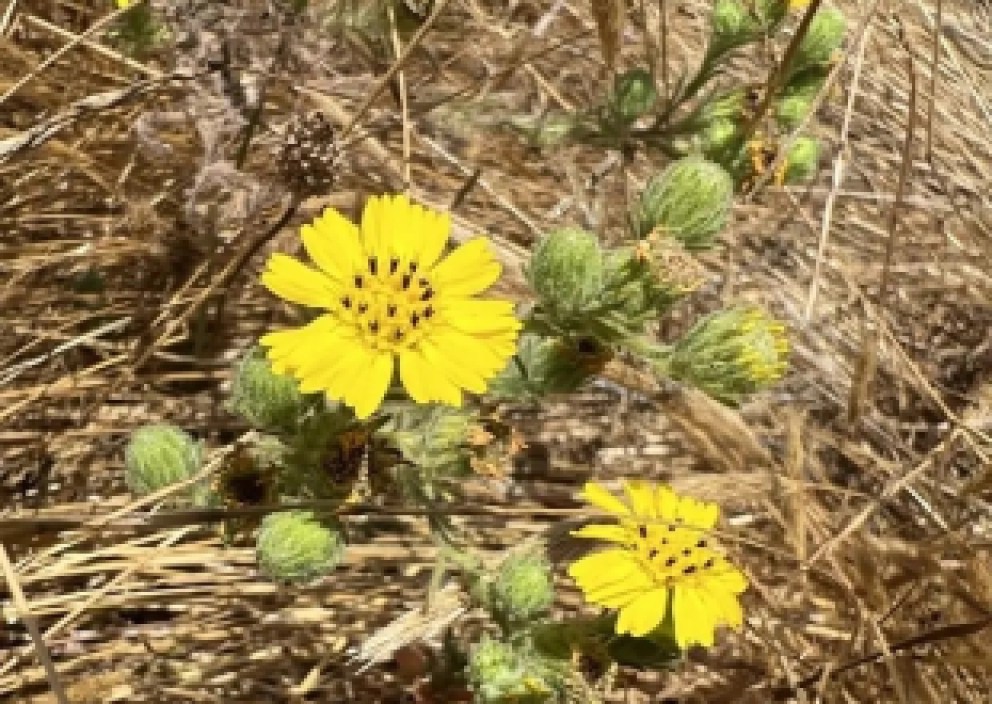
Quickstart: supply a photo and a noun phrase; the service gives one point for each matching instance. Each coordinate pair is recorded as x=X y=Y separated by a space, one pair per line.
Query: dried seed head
x=309 y=154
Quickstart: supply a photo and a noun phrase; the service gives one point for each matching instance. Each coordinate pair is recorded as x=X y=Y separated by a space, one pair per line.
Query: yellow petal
x=469 y=270
x=296 y=282
x=292 y=348
x=472 y=315
x=334 y=244
x=694 y=622
x=644 y=614
x=366 y=395
x=640 y=496
x=598 y=496
x=434 y=228
x=610 y=578
x=601 y=531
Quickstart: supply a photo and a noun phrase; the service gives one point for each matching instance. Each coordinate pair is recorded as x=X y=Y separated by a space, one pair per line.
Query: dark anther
x=642 y=530
x=687 y=552
x=652 y=553
x=397 y=335
x=428 y=311
x=670 y=562
x=689 y=570
x=373 y=265
x=423 y=283
x=701 y=543
x=671 y=529
x=394 y=264
x=362 y=308
x=414 y=319
x=391 y=310
x=664 y=541
x=406 y=282
x=346 y=302
x=374 y=327
x=427 y=294
x=708 y=564
x=413 y=267
x=358 y=281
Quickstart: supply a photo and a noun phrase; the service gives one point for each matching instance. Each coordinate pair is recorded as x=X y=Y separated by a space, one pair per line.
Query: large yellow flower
x=664 y=556
x=390 y=295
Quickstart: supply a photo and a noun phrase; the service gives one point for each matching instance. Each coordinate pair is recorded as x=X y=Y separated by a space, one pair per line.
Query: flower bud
x=690 y=201
x=732 y=24
x=297 y=546
x=501 y=673
x=802 y=160
x=823 y=38
x=158 y=456
x=267 y=400
x=522 y=589
x=634 y=94
x=720 y=137
x=798 y=98
x=430 y=435
x=566 y=271
x=726 y=106
x=731 y=353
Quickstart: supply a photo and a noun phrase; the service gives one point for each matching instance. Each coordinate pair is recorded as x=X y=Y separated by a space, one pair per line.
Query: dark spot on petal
x=394 y=264
x=642 y=531
x=689 y=570
x=414 y=319
x=373 y=265
x=701 y=543
x=709 y=563
x=346 y=302
x=413 y=267
x=670 y=562
x=423 y=283
x=687 y=552
x=428 y=311
x=363 y=308
x=397 y=335
x=359 y=281
x=374 y=327
x=652 y=553
x=391 y=310
x=664 y=541
x=405 y=282
x=427 y=294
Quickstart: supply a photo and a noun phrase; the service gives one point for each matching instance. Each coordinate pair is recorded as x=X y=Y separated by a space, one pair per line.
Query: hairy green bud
x=502 y=673
x=267 y=400
x=431 y=435
x=730 y=353
x=158 y=456
x=798 y=97
x=634 y=94
x=521 y=590
x=823 y=38
x=802 y=160
x=690 y=201
x=297 y=546
x=566 y=271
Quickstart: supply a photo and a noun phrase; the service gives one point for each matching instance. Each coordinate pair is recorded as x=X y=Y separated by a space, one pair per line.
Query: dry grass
x=857 y=492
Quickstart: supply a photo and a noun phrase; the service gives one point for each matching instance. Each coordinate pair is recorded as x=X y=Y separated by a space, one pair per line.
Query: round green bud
x=728 y=106
x=824 y=36
x=731 y=353
x=634 y=94
x=267 y=400
x=501 y=673
x=689 y=201
x=566 y=271
x=718 y=137
x=158 y=456
x=522 y=588
x=802 y=160
x=297 y=546
x=732 y=24
x=798 y=97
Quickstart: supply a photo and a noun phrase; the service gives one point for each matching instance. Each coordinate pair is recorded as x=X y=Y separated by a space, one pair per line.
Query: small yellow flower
x=664 y=558
x=796 y=5
x=390 y=296
x=123 y=4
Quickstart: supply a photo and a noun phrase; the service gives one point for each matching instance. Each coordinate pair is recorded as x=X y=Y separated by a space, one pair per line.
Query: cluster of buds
x=503 y=672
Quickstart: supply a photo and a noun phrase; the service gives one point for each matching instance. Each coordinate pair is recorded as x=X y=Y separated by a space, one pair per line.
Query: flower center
x=677 y=553
x=390 y=303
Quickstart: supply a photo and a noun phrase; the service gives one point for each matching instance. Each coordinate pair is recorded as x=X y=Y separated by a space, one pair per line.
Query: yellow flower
x=389 y=296
x=796 y=5
x=664 y=557
x=122 y=4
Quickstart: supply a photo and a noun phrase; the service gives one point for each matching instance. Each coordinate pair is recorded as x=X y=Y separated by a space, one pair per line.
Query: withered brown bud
x=309 y=155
